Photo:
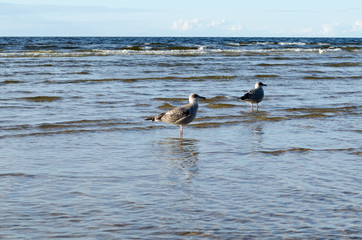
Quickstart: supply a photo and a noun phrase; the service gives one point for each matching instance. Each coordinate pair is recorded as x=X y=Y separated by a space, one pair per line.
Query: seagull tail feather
x=156 y=118
x=150 y=119
x=245 y=97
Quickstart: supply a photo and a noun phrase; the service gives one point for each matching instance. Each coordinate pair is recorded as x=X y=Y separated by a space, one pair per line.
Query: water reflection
x=257 y=130
x=253 y=137
x=183 y=154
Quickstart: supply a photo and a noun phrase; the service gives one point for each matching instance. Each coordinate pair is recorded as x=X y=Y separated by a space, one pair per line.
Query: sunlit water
x=79 y=161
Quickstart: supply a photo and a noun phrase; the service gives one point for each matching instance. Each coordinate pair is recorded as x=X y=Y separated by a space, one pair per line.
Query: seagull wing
x=246 y=96
x=176 y=115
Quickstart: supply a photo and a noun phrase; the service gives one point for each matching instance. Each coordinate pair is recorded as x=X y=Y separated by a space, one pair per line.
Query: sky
x=208 y=18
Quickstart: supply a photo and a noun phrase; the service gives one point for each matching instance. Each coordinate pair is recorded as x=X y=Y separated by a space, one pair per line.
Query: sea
x=78 y=160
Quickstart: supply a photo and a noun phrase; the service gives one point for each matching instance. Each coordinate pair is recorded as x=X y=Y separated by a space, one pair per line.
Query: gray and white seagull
x=255 y=95
x=180 y=115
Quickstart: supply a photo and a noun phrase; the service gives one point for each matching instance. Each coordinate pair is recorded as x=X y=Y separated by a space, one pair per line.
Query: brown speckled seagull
x=180 y=115
x=255 y=95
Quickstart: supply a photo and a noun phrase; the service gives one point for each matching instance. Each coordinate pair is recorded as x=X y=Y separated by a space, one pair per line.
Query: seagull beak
x=202 y=97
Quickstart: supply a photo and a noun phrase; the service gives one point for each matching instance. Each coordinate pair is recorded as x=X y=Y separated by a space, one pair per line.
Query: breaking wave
x=173 y=52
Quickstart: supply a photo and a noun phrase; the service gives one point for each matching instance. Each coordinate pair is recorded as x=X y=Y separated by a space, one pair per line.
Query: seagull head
x=194 y=96
x=259 y=84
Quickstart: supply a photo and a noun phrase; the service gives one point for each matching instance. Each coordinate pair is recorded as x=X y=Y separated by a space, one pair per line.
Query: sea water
x=79 y=161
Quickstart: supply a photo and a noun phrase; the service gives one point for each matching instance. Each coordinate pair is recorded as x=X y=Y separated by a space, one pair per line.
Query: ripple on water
x=166 y=106
x=221 y=105
x=23 y=175
x=41 y=98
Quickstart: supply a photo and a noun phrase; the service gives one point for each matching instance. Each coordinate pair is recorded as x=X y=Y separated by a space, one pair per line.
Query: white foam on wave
x=292 y=43
x=234 y=44
x=202 y=50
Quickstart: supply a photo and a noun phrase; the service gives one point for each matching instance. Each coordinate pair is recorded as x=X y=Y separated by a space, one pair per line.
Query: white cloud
x=185 y=25
x=213 y=26
x=236 y=27
x=328 y=29
x=216 y=23
x=357 y=26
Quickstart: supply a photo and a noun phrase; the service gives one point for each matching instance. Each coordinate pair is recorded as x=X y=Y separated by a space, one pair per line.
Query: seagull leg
x=257 y=107
x=251 y=106
x=180 y=131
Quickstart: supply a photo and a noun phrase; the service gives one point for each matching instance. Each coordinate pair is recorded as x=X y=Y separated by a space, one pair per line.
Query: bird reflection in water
x=258 y=132
x=183 y=153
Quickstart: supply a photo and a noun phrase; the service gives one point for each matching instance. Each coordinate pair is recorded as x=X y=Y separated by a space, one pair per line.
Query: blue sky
x=235 y=18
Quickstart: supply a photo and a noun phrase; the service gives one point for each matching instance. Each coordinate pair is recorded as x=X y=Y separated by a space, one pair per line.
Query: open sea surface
x=78 y=160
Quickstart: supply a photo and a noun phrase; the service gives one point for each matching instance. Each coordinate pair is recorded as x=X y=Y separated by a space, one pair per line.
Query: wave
x=23 y=175
x=305 y=150
x=100 y=46
x=265 y=43
x=41 y=98
x=344 y=64
x=69 y=127
x=219 y=102
x=351 y=49
x=279 y=152
x=131 y=80
x=176 y=51
x=11 y=82
x=266 y=76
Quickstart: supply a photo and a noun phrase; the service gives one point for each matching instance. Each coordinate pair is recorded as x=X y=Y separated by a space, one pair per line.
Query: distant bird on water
x=255 y=95
x=180 y=115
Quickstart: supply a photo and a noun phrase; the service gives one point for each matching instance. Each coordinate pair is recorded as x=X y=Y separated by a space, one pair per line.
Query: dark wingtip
x=246 y=96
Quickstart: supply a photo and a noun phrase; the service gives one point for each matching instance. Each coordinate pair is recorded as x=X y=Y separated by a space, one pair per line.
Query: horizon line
x=115 y=36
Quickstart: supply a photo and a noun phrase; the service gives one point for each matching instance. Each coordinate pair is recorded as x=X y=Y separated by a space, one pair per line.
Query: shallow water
x=78 y=160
